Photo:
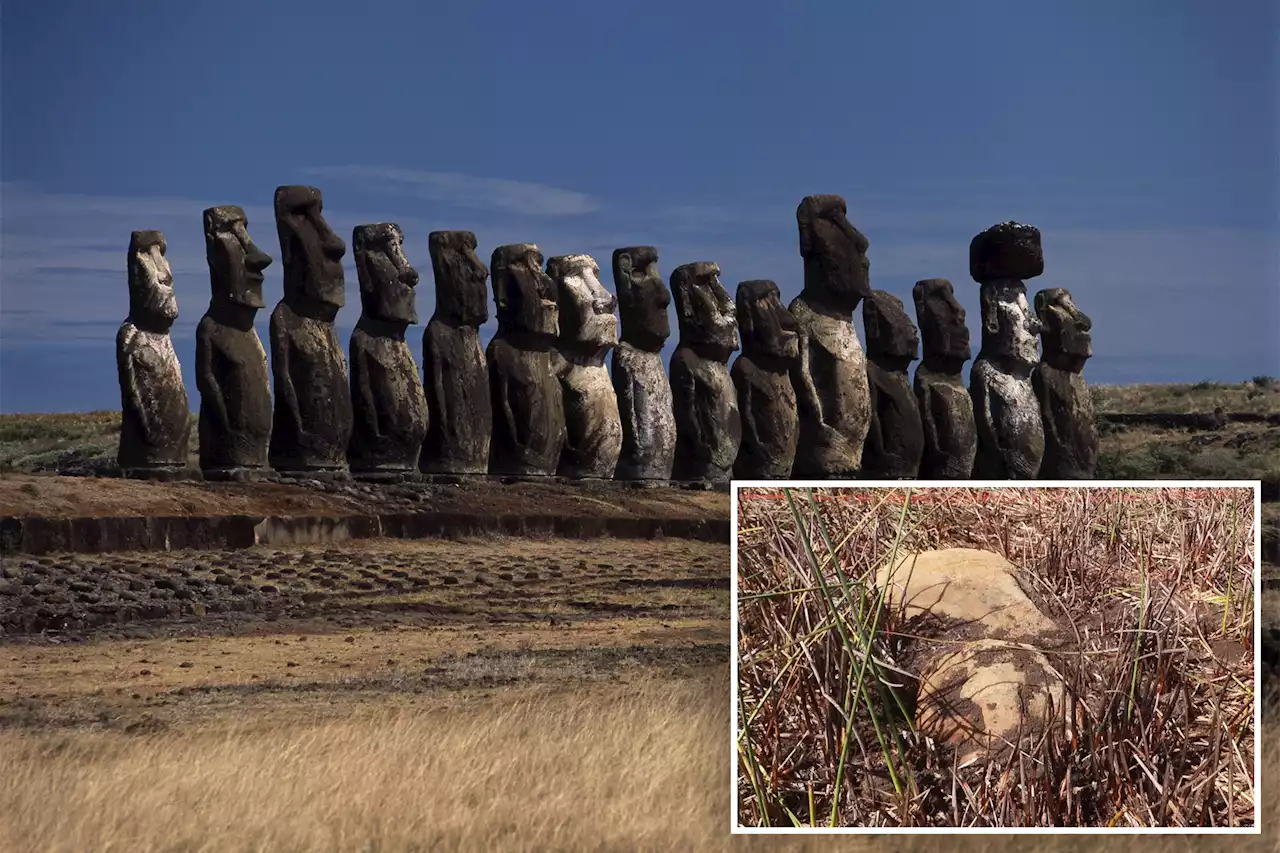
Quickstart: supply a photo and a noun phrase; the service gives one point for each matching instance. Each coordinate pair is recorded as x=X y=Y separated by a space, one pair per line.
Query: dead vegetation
x=1260 y=394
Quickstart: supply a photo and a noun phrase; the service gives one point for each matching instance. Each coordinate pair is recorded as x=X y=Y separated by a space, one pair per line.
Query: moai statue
x=895 y=437
x=1066 y=407
x=313 y=419
x=830 y=376
x=388 y=403
x=708 y=426
x=155 y=421
x=454 y=371
x=946 y=409
x=762 y=378
x=588 y=330
x=231 y=365
x=1006 y=411
x=639 y=376
x=528 y=409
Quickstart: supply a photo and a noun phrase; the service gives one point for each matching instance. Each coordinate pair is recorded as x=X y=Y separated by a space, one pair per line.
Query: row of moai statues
x=802 y=400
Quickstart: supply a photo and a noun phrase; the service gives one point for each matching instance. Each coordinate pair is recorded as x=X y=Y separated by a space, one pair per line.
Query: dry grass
x=1153 y=588
x=1258 y=395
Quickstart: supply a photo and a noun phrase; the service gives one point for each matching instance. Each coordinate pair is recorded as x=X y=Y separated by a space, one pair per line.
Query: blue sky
x=1140 y=137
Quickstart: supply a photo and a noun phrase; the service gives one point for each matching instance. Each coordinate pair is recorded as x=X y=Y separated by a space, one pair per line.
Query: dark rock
x=455 y=374
x=946 y=409
x=1009 y=250
x=528 y=423
x=762 y=379
x=708 y=426
x=639 y=376
x=155 y=421
x=895 y=437
x=588 y=330
x=830 y=375
x=1066 y=406
x=312 y=421
x=388 y=402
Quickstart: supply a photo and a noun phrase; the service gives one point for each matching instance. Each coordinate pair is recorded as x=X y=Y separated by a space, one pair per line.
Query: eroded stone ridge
x=762 y=379
x=895 y=438
x=946 y=409
x=1066 y=406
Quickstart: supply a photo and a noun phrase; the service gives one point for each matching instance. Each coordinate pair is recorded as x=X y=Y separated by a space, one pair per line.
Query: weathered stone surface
x=830 y=376
x=762 y=379
x=528 y=409
x=708 y=427
x=312 y=423
x=639 y=376
x=231 y=365
x=1006 y=411
x=588 y=330
x=155 y=420
x=946 y=409
x=388 y=402
x=895 y=437
x=1066 y=406
x=455 y=372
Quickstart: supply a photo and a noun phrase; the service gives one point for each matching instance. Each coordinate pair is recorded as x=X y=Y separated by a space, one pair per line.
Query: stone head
x=1008 y=250
x=235 y=263
x=836 y=268
x=152 y=303
x=586 y=309
x=767 y=327
x=704 y=308
x=524 y=295
x=310 y=252
x=386 y=278
x=461 y=293
x=890 y=333
x=643 y=297
x=943 y=330
x=1009 y=326
x=1066 y=329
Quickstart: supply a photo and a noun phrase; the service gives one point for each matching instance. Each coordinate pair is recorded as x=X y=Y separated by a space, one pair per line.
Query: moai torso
x=708 y=426
x=454 y=370
x=895 y=438
x=762 y=381
x=1066 y=406
x=388 y=403
x=830 y=376
x=231 y=365
x=312 y=422
x=528 y=409
x=946 y=409
x=155 y=419
x=588 y=330
x=639 y=377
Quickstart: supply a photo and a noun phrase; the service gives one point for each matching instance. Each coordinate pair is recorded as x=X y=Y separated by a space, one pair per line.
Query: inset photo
x=984 y=657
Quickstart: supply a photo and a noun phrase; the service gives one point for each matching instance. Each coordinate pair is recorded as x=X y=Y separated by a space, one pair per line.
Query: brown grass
x=1260 y=395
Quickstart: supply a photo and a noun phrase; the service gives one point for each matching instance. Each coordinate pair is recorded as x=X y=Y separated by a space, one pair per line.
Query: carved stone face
x=890 y=332
x=310 y=251
x=942 y=320
x=235 y=263
x=524 y=295
x=1010 y=328
x=151 y=298
x=703 y=305
x=1066 y=329
x=461 y=292
x=767 y=327
x=386 y=278
x=836 y=268
x=1008 y=250
x=643 y=297
x=586 y=308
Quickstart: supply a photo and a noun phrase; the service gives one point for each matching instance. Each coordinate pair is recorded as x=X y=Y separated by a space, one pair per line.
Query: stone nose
x=409 y=276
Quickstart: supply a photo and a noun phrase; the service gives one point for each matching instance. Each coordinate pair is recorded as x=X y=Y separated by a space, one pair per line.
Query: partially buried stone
x=155 y=420
x=312 y=424
x=708 y=426
x=946 y=409
x=388 y=402
x=1066 y=406
x=528 y=410
x=761 y=377
x=895 y=438
x=231 y=365
x=588 y=330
